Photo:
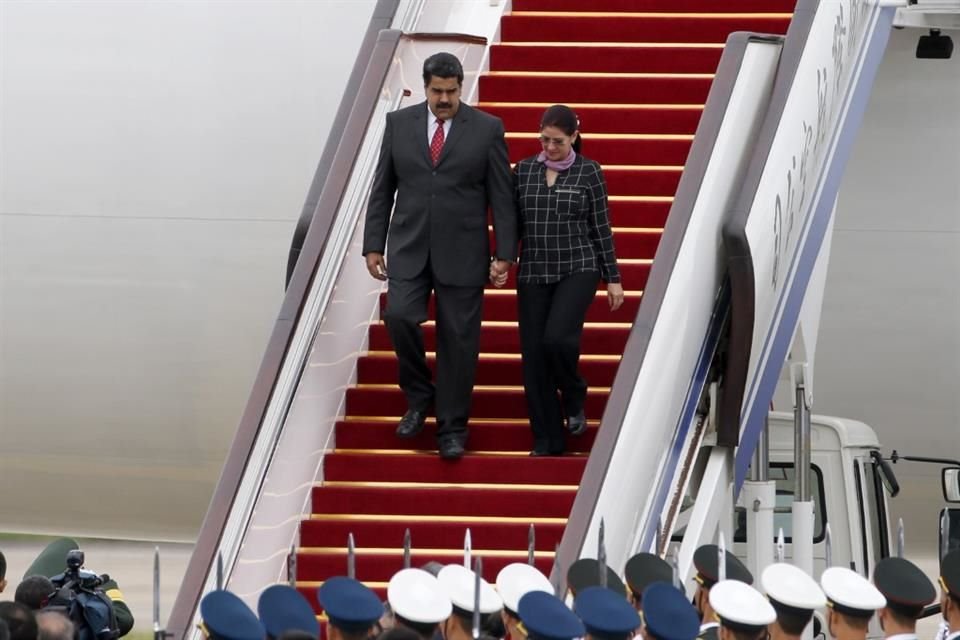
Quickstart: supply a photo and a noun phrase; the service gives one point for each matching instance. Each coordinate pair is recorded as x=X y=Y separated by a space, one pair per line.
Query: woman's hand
x=615 y=295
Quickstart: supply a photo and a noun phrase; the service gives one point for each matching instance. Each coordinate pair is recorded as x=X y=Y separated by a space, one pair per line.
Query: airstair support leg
x=714 y=502
x=759 y=499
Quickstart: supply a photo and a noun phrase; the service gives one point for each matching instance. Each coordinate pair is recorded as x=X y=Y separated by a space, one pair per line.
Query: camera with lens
x=80 y=598
x=75 y=577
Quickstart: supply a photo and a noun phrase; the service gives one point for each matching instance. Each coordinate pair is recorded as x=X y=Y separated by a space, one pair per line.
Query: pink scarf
x=561 y=165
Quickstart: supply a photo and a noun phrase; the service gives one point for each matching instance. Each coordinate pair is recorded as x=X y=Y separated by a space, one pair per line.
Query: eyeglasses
x=559 y=142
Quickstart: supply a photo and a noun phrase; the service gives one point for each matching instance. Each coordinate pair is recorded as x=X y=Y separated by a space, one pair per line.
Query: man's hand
x=376 y=265
x=498 y=272
x=615 y=295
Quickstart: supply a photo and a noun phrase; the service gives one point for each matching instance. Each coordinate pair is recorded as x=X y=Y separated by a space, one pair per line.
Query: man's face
x=443 y=96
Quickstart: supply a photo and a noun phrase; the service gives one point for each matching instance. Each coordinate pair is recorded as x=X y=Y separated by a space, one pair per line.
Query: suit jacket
x=441 y=212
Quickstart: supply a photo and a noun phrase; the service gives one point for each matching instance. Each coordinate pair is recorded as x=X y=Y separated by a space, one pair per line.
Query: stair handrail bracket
x=784 y=214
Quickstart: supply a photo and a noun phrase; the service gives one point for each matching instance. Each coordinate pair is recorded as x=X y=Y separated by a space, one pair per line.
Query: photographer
x=51 y=563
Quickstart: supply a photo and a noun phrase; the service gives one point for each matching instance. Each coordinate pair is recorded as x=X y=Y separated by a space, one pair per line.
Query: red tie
x=436 y=145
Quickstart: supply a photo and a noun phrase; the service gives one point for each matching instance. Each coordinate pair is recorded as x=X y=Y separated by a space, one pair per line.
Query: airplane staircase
x=638 y=74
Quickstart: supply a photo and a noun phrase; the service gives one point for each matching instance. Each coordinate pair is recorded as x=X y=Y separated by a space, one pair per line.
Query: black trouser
x=551 y=323
x=458 y=346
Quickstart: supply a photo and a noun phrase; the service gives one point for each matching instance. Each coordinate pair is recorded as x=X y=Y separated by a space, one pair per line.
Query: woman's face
x=556 y=143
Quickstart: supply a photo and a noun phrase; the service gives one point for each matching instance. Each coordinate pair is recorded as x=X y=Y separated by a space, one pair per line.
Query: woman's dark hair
x=442 y=65
x=564 y=118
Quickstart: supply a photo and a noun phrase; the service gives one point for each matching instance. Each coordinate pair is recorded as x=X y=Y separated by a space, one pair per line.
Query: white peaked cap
x=847 y=589
x=739 y=604
x=791 y=586
x=517 y=580
x=417 y=596
x=460 y=584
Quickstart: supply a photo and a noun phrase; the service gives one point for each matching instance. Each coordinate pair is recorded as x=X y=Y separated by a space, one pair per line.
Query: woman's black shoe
x=577 y=424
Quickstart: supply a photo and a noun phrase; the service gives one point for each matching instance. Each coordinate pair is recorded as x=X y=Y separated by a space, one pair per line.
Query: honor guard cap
x=667 y=613
x=349 y=604
x=791 y=587
x=460 y=584
x=706 y=560
x=585 y=572
x=415 y=595
x=644 y=569
x=741 y=607
x=227 y=617
x=907 y=589
x=850 y=593
x=282 y=608
x=546 y=617
x=517 y=580
x=606 y=615
x=950 y=573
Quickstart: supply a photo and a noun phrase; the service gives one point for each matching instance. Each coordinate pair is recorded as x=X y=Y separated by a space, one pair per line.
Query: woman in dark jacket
x=566 y=249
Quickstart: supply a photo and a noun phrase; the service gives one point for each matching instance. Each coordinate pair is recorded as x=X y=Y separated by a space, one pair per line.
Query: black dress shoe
x=451 y=448
x=539 y=453
x=411 y=423
x=577 y=424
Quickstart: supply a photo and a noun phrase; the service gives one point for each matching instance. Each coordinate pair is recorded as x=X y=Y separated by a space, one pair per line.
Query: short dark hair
x=564 y=118
x=791 y=619
x=296 y=634
x=422 y=629
x=3 y=566
x=399 y=633
x=20 y=620
x=442 y=65
x=34 y=592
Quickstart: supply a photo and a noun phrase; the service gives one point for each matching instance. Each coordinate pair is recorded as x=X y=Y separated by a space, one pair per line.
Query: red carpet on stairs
x=638 y=73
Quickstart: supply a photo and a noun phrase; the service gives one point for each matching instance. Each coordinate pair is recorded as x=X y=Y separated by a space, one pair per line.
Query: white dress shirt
x=432 y=127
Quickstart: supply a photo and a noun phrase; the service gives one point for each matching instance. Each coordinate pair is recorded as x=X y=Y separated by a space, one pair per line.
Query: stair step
x=380 y=567
x=677 y=6
x=509 y=86
x=500 y=305
x=649 y=119
x=505 y=402
x=633 y=27
x=380 y=367
x=642 y=181
x=413 y=467
x=433 y=535
x=646 y=58
x=504 y=338
x=663 y=151
x=513 y=435
x=459 y=503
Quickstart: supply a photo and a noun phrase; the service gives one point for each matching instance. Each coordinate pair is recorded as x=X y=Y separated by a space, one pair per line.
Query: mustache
x=444 y=105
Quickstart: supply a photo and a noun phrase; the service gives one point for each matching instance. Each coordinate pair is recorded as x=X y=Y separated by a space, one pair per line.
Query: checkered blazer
x=564 y=229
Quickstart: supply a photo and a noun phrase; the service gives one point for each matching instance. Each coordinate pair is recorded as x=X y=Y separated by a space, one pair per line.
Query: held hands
x=615 y=295
x=376 y=265
x=498 y=272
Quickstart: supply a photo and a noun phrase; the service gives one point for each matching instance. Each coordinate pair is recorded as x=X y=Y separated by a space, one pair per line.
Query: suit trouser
x=458 y=313
x=551 y=323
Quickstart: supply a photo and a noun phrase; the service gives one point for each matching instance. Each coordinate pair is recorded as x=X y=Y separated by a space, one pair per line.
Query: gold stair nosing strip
x=432 y=420
x=601 y=75
x=673 y=15
x=481 y=387
x=433 y=452
x=507 y=324
x=500 y=356
x=360 y=551
x=600 y=294
x=448 y=485
x=612 y=136
x=640 y=106
x=387 y=517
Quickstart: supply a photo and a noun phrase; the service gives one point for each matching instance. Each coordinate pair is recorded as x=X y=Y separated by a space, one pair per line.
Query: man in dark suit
x=445 y=163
